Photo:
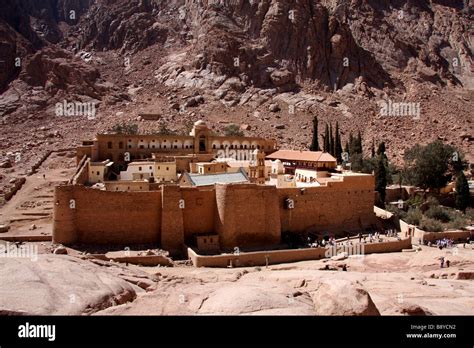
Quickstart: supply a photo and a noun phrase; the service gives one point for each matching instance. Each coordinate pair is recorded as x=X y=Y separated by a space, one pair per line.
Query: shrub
x=431 y=225
x=232 y=130
x=401 y=214
x=414 y=216
x=470 y=214
x=415 y=201
x=458 y=222
x=438 y=213
x=124 y=128
x=432 y=201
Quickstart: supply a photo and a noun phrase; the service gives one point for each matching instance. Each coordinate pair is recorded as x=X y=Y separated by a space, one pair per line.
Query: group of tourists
x=370 y=238
x=443 y=262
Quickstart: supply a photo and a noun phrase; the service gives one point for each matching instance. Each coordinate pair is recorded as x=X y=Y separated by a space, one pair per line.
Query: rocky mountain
x=270 y=65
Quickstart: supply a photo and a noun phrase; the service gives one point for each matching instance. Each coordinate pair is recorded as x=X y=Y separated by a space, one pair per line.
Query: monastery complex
x=214 y=193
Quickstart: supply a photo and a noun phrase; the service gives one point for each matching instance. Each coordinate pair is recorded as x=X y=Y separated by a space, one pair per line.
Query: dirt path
x=33 y=203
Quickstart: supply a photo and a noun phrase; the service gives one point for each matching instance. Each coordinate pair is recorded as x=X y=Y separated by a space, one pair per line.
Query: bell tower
x=200 y=132
x=257 y=167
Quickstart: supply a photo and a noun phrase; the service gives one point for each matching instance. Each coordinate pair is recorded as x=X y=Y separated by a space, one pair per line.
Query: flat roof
x=220 y=178
x=307 y=156
x=238 y=164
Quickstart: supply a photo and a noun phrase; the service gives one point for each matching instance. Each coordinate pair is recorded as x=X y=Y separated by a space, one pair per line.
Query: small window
x=98 y=173
x=139 y=168
x=151 y=168
x=167 y=168
x=129 y=146
x=109 y=145
x=120 y=145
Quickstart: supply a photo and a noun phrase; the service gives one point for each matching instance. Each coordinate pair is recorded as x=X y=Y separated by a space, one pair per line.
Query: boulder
x=415 y=310
x=60 y=285
x=281 y=77
x=342 y=297
x=274 y=107
x=60 y=251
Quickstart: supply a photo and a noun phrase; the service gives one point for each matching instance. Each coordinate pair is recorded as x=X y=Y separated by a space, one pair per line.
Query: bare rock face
x=415 y=310
x=125 y=25
x=341 y=297
x=60 y=285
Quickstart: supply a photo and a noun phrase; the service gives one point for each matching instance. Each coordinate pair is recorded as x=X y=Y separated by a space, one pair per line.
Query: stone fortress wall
x=243 y=215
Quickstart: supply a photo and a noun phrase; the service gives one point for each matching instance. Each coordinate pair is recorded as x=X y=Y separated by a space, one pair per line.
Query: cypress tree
x=358 y=142
x=331 y=140
x=381 y=148
x=338 y=146
x=351 y=144
x=326 y=139
x=462 y=192
x=372 y=150
x=315 y=143
x=381 y=178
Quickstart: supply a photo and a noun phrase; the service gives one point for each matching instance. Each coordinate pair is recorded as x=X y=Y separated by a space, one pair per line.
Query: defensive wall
x=243 y=215
x=262 y=258
x=426 y=236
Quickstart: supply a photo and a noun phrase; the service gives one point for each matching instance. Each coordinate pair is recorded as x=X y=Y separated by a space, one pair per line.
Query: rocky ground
x=407 y=283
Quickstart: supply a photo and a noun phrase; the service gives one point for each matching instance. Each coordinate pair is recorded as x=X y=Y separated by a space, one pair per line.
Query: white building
x=160 y=171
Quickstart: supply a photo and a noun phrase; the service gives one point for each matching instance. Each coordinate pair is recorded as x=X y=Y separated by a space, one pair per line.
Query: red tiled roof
x=307 y=156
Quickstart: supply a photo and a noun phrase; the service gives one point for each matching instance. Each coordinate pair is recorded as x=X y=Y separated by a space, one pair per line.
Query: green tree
x=164 y=130
x=315 y=142
x=232 y=130
x=125 y=128
x=381 y=148
x=331 y=140
x=372 y=149
x=429 y=167
x=381 y=178
x=338 y=145
x=326 y=139
x=462 y=192
x=351 y=143
x=358 y=143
